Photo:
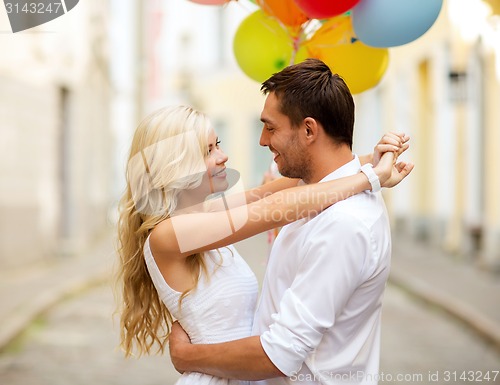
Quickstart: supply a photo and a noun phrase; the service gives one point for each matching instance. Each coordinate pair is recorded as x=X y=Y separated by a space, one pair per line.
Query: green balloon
x=261 y=46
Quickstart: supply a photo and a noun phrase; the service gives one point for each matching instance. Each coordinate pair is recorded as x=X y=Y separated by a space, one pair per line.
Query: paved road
x=76 y=344
x=424 y=345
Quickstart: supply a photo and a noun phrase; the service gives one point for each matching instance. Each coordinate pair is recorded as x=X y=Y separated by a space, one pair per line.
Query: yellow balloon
x=262 y=46
x=362 y=67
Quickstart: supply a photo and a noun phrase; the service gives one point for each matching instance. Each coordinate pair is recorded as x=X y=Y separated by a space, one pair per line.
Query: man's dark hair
x=310 y=89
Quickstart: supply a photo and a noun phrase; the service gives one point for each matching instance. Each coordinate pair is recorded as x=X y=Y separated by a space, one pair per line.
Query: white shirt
x=319 y=311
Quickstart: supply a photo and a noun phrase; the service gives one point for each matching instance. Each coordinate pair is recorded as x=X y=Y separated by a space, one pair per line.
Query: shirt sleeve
x=334 y=257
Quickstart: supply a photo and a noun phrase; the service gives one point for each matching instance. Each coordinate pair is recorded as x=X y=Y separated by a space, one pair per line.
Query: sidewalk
x=457 y=287
x=26 y=293
x=464 y=291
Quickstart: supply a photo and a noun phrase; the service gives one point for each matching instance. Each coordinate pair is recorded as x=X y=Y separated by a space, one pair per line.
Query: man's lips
x=275 y=153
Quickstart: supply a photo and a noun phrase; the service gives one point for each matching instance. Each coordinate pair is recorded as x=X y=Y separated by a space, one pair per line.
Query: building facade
x=56 y=145
x=444 y=90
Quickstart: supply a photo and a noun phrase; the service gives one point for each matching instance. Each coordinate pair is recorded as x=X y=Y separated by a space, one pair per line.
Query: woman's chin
x=221 y=186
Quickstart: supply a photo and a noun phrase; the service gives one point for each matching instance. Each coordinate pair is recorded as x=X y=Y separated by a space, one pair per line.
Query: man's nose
x=264 y=138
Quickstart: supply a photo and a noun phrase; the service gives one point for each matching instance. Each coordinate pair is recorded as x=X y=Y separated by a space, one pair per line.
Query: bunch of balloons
x=352 y=36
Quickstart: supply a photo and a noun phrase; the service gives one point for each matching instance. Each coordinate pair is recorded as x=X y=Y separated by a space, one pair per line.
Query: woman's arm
x=234 y=199
x=270 y=188
x=392 y=141
x=183 y=235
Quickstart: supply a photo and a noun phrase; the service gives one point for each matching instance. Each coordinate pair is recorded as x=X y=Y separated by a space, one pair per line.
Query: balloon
x=324 y=9
x=389 y=23
x=262 y=47
x=360 y=66
x=285 y=11
x=210 y=2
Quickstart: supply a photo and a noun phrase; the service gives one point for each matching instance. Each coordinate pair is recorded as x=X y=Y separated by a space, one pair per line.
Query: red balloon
x=324 y=9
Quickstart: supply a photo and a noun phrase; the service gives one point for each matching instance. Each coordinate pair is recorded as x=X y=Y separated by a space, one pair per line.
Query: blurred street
x=75 y=342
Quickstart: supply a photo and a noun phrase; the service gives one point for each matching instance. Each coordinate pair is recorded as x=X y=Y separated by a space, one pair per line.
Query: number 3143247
x=34 y=7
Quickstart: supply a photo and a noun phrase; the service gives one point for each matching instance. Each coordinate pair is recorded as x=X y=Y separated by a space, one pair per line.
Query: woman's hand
x=389 y=172
x=391 y=142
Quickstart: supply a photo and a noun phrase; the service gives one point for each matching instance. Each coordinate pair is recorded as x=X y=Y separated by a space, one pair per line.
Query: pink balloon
x=210 y=2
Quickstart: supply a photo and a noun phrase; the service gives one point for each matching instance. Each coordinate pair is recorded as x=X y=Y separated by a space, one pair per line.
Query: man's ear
x=310 y=129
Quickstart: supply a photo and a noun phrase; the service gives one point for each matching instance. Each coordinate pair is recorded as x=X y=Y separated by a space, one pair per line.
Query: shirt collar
x=347 y=169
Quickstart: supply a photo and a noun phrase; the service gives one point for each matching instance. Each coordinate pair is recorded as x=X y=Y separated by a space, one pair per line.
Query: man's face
x=284 y=141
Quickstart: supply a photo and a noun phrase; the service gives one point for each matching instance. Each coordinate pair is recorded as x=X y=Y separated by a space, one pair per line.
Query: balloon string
x=297 y=40
x=296 y=44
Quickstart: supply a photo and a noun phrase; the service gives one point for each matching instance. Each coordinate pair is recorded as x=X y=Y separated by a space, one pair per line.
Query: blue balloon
x=389 y=23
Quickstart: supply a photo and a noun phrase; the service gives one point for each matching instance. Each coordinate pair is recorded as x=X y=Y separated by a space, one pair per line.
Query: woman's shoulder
x=162 y=240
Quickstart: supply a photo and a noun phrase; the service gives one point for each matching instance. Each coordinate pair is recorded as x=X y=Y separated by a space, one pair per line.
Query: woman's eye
x=216 y=146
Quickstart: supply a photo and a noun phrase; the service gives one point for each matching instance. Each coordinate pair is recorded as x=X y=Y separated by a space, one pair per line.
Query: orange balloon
x=285 y=11
x=361 y=66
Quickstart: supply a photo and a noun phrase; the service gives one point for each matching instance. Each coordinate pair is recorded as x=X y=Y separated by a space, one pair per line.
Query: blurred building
x=444 y=90
x=56 y=144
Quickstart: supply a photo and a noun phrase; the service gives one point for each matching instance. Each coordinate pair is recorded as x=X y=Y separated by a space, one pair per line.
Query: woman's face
x=215 y=161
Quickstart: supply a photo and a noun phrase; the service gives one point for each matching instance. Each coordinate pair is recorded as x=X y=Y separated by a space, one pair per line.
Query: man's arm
x=299 y=326
x=242 y=359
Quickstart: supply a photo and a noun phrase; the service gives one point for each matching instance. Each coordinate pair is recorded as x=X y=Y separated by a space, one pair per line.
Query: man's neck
x=326 y=162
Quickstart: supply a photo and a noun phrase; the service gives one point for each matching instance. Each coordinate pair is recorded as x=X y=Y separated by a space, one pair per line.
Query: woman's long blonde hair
x=166 y=157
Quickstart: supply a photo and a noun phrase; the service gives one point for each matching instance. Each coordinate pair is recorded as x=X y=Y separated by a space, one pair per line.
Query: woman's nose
x=221 y=157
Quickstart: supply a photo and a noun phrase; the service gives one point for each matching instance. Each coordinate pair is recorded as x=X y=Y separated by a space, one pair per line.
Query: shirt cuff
x=285 y=356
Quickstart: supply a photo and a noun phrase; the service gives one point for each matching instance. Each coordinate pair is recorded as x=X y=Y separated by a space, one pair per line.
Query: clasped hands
x=384 y=159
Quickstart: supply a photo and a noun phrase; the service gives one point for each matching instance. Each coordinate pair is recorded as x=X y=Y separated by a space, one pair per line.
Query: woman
x=175 y=249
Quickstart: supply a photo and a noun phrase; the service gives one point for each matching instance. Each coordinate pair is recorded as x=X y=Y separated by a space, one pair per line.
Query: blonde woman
x=177 y=226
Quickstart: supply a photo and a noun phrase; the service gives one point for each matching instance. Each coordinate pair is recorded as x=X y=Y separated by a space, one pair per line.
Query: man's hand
x=391 y=142
x=242 y=359
x=177 y=339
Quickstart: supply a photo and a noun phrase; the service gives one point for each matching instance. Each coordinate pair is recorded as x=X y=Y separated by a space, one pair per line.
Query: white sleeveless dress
x=220 y=309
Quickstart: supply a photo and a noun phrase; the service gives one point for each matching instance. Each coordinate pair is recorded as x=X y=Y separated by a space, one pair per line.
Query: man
x=318 y=320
